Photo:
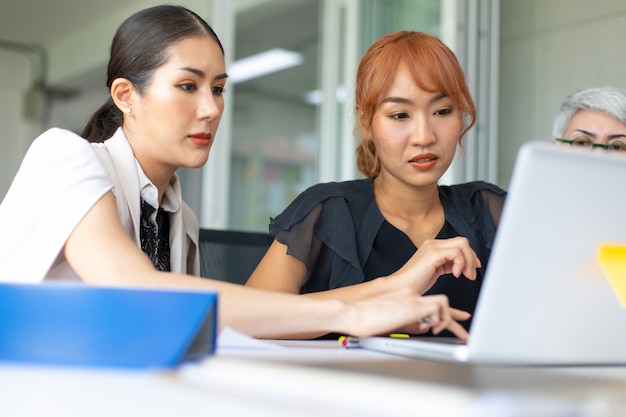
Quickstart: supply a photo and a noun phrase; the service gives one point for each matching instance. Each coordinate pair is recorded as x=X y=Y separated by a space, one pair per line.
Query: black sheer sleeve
x=327 y=227
x=495 y=202
x=301 y=240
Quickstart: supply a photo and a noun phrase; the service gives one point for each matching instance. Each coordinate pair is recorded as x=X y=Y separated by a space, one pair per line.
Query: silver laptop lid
x=545 y=299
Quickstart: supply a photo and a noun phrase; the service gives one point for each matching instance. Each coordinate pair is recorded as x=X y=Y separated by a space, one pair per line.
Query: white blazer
x=60 y=179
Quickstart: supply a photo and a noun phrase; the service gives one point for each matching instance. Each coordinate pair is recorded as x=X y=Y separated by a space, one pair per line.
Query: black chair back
x=230 y=255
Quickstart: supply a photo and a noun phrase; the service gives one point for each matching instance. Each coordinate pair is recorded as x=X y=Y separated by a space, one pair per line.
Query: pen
x=349 y=342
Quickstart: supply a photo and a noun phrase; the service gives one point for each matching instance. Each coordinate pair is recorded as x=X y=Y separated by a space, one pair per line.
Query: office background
x=279 y=134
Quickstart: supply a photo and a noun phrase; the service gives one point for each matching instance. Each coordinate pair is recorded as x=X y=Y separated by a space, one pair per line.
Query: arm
x=101 y=253
x=281 y=272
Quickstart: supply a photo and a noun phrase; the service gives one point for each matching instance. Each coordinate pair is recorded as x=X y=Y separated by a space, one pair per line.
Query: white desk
x=322 y=380
x=218 y=386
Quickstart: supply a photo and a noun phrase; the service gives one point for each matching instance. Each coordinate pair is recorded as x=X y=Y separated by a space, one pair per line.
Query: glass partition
x=274 y=143
x=284 y=135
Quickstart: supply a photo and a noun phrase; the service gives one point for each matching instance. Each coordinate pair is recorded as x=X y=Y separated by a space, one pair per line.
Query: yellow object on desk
x=612 y=260
x=349 y=342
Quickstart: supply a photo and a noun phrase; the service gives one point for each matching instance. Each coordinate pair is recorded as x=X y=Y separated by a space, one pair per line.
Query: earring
x=129 y=111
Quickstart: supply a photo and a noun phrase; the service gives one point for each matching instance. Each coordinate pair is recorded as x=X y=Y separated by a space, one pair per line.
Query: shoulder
x=476 y=199
x=63 y=149
x=57 y=140
x=471 y=190
x=59 y=134
x=60 y=151
x=338 y=189
x=333 y=194
x=319 y=193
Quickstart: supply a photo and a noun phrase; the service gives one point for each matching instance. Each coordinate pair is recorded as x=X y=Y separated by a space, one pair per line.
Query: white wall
x=550 y=48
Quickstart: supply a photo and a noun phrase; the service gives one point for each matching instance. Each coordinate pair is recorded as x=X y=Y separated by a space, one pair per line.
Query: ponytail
x=103 y=123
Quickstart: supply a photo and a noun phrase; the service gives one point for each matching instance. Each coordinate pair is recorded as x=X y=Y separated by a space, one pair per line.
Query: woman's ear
x=123 y=94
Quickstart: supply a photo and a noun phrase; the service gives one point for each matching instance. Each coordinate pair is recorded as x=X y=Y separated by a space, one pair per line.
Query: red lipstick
x=200 y=139
x=424 y=162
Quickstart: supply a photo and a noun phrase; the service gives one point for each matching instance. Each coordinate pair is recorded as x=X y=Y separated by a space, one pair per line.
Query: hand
x=426 y=324
x=433 y=259
x=405 y=309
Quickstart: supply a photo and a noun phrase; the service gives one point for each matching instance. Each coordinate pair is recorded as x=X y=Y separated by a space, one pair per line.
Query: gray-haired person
x=593 y=118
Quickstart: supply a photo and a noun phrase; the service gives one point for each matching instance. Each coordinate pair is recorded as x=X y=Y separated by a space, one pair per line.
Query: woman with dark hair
x=413 y=108
x=108 y=210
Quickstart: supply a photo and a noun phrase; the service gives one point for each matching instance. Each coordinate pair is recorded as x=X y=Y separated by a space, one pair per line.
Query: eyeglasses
x=585 y=142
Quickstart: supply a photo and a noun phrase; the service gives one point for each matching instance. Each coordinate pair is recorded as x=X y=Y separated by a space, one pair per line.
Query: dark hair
x=140 y=46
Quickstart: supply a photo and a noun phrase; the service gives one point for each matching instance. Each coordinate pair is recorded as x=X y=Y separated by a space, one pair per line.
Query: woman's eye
x=190 y=87
x=400 y=116
x=218 y=90
x=444 y=112
x=618 y=146
x=583 y=142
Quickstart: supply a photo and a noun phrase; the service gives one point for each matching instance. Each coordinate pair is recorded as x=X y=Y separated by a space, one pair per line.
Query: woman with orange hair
x=352 y=240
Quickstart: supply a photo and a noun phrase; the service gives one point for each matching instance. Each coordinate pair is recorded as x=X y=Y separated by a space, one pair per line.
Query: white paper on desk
x=232 y=339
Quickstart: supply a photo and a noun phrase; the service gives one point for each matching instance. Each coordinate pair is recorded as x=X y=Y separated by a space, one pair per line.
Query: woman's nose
x=422 y=133
x=210 y=107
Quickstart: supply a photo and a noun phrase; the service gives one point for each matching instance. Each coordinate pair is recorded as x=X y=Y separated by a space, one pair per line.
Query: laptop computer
x=545 y=299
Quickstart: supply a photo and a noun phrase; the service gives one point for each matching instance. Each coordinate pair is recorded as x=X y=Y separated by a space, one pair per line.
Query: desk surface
x=312 y=379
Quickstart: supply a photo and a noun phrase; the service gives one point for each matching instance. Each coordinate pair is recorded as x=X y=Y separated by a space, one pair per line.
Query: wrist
x=388 y=283
x=341 y=316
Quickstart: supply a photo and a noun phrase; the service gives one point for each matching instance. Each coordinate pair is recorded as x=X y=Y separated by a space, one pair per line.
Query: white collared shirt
x=150 y=194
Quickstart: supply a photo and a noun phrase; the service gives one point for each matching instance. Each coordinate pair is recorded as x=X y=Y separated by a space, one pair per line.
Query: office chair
x=230 y=255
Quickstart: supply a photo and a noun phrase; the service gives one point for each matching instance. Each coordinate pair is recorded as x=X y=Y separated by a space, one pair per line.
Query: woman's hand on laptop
x=450 y=324
x=434 y=258
x=446 y=318
x=379 y=314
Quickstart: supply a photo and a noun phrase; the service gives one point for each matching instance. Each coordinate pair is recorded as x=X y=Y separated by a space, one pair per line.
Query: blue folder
x=77 y=324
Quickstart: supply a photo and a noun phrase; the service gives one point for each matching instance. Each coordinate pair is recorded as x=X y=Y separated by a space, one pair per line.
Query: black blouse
x=338 y=232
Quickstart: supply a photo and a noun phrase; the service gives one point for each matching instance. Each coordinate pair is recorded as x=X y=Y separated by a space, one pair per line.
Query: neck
x=403 y=200
x=159 y=173
x=416 y=211
x=160 y=178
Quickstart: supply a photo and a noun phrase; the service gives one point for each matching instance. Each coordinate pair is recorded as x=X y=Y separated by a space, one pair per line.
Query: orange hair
x=434 y=67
